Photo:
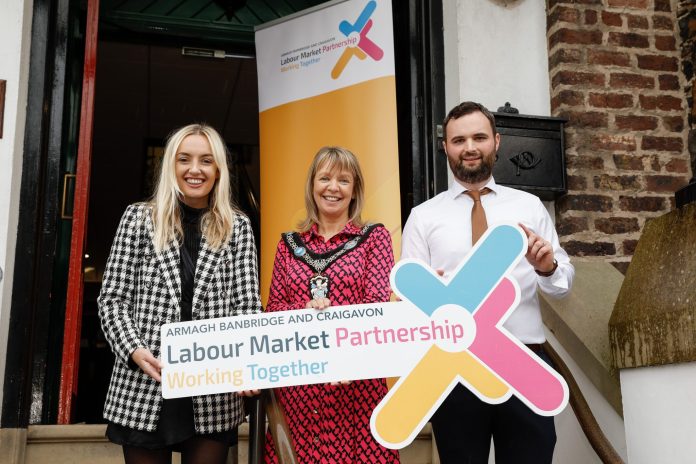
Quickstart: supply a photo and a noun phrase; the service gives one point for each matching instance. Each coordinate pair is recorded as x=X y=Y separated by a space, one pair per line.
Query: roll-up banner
x=326 y=77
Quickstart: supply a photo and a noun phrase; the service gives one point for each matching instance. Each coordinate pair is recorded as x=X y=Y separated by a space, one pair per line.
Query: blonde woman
x=334 y=259
x=187 y=254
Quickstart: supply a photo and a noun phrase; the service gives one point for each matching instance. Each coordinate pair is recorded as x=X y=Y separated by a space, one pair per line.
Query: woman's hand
x=248 y=393
x=342 y=382
x=147 y=363
x=318 y=303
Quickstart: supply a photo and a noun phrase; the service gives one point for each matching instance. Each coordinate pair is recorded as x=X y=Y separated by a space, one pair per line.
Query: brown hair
x=334 y=158
x=465 y=108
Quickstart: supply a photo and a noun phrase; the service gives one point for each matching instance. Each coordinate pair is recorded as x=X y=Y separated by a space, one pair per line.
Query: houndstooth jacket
x=141 y=291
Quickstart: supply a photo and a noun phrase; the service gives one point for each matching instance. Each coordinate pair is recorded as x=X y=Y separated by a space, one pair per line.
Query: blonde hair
x=341 y=159
x=217 y=222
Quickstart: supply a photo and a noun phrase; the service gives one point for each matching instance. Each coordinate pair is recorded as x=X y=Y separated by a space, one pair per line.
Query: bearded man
x=440 y=232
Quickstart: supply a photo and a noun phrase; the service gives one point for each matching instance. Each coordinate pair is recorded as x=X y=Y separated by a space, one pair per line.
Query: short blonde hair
x=341 y=159
x=218 y=221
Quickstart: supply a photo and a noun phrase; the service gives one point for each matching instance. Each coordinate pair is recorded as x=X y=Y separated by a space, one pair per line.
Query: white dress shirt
x=438 y=232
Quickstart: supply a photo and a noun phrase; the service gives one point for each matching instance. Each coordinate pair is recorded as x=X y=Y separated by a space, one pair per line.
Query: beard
x=474 y=175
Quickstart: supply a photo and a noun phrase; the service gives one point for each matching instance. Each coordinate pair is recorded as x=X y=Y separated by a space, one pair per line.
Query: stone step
x=69 y=444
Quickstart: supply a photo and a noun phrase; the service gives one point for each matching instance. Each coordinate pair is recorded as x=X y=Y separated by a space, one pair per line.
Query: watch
x=548 y=273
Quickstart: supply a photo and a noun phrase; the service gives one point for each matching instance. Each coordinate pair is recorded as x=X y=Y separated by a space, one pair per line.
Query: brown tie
x=478 y=214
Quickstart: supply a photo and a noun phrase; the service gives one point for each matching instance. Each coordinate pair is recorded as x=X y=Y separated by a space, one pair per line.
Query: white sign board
x=303 y=347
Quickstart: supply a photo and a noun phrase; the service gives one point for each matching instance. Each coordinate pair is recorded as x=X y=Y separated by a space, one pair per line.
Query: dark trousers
x=463 y=427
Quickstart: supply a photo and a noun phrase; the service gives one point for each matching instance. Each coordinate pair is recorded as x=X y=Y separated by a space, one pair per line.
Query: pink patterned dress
x=331 y=424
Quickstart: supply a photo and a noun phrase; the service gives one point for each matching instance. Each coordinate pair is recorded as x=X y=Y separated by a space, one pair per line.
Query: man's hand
x=539 y=251
x=248 y=393
x=147 y=363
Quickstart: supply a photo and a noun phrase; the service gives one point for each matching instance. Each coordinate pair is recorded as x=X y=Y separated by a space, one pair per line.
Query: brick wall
x=687 y=32
x=615 y=69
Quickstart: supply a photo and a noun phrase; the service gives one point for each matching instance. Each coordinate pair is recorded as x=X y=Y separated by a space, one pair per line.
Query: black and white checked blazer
x=141 y=291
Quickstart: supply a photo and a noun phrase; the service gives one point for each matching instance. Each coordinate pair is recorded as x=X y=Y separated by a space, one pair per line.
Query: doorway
x=145 y=90
x=145 y=87
x=161 y=65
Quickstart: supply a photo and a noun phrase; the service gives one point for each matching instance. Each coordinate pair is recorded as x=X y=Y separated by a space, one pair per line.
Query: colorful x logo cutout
x=365 y=47
x=491 y=362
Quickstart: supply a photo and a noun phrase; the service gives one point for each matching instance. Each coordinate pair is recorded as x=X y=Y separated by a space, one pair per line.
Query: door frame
x=28 y=351
x=420 y=100
x=73 y=304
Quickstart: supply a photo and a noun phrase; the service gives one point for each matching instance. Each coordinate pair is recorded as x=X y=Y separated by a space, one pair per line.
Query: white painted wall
x=501 y=53
x=496 y=51
x=15 y=37
x=572 y=446
x=660 y=410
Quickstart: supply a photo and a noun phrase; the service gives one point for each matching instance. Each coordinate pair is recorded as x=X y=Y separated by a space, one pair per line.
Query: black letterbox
x=530 y=156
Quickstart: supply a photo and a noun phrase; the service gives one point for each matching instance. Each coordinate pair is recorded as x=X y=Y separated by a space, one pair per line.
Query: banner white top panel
x=325 y=50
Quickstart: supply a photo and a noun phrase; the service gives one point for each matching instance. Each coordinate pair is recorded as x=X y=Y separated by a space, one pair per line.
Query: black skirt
x=174 y=427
